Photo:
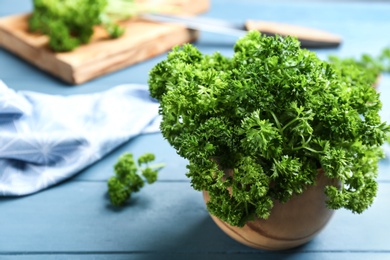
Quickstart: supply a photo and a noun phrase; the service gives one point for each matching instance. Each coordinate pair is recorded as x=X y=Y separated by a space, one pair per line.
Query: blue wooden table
x=168 y=220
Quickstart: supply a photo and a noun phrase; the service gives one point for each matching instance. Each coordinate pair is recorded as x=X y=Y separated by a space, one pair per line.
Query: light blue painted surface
x=168 y=220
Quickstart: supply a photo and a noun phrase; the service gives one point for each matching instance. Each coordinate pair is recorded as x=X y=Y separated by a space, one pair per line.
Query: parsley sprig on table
x=127 y=179
x=273 y=114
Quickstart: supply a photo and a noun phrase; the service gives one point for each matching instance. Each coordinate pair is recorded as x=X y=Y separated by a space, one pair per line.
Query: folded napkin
x=45 y=139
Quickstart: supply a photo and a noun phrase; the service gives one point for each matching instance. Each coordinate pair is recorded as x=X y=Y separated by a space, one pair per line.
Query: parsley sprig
x=130 y=176
x=272 y=114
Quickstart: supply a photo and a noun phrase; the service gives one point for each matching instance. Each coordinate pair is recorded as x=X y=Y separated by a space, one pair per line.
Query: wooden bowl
x=290 y=224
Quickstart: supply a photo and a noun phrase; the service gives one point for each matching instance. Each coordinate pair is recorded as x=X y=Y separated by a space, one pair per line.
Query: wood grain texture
x=163 y=218
x=204 y=255
x=141 y=41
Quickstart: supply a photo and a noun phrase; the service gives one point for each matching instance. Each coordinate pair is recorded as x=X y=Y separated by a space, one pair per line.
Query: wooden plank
x=34 y=79
x=166 y=217
x=142 y=40
x=205 y=255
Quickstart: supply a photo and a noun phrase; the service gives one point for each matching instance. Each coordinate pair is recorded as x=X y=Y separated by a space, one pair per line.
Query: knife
x=309 y=38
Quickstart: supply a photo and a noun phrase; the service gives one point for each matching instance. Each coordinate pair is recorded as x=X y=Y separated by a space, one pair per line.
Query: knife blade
x=309 y=37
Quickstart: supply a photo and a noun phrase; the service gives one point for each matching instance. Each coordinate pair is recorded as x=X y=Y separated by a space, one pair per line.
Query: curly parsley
x=366 y=68
x=70 y=23
x=127 y=180
x=273 y=114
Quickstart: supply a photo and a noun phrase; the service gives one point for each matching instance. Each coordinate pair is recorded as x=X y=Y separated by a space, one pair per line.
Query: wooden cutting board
x=142 y=40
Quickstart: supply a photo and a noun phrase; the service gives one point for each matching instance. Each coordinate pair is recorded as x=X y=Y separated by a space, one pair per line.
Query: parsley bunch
x=367 y=67
x=67 y=23
x=127 y=180
x=70 y=23
x=262 y=123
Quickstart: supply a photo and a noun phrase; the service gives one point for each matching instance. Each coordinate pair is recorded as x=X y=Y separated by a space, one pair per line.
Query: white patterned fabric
x=45 y=139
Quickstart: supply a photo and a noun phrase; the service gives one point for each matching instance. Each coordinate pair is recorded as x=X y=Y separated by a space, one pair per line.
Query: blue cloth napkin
x=45 y=139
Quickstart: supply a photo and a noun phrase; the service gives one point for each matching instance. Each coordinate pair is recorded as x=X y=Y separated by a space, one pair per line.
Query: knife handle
x=307 y=36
